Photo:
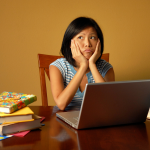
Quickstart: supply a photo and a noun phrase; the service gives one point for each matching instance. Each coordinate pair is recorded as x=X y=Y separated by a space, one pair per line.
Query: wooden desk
x=59 y=136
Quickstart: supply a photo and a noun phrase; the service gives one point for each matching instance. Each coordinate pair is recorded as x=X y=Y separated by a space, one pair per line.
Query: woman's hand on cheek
x=96 y=54
x=77 y=56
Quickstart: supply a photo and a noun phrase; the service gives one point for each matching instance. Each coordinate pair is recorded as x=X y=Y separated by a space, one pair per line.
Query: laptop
x=111 y=103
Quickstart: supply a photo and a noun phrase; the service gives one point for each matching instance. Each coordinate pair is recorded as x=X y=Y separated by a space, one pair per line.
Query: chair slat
x=43 y=87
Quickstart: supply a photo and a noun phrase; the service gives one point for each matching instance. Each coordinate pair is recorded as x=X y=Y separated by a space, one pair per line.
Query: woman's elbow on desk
x=60 y=105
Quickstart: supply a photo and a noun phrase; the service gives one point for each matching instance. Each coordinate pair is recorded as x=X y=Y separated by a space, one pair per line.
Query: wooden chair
x=44 y=62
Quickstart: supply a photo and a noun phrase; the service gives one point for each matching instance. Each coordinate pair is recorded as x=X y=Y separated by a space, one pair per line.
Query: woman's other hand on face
x=77 y=56
x=96 y=54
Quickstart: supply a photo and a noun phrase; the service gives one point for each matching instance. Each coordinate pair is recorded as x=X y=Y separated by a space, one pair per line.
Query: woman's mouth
x=88 y=51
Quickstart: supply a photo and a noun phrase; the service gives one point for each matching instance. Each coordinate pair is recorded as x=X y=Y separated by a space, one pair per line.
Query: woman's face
x=87 y=40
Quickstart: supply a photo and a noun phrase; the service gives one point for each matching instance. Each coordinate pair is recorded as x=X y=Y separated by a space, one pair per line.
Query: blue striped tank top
x=68 y=73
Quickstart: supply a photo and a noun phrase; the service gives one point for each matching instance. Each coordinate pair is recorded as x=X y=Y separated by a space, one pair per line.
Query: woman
x=82 y=48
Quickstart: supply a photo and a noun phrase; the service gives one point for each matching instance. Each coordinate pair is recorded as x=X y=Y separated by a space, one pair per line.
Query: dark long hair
x=75 y=27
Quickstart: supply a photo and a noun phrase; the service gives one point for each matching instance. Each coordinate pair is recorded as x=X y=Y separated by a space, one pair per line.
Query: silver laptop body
x=111 y=103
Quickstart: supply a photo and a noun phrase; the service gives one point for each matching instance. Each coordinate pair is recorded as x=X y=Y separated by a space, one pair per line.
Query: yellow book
x=22 y=115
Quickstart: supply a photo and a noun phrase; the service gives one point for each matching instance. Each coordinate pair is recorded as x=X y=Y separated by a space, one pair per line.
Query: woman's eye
x=93 y=37
x=80 y=37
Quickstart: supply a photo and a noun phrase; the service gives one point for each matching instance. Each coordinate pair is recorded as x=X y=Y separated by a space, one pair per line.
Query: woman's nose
x=87 y=42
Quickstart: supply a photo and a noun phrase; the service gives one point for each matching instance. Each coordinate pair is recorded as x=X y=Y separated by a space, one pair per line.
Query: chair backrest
x=44 y=61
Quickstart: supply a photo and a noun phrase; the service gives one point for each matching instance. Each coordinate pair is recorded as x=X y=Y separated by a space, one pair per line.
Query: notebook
x=111 y=103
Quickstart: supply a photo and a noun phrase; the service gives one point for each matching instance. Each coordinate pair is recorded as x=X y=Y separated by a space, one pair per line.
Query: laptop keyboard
x=76 y=118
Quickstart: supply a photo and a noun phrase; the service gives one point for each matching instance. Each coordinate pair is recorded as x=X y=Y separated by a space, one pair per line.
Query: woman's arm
x=63 y=96
x=110 y=76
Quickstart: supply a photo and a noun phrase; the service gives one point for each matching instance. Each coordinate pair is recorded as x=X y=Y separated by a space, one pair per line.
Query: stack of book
x=15 y=115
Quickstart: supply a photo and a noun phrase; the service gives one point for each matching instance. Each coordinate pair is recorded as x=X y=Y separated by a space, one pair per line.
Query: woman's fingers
x=97 y=53
x=75 y=48
x=98 y=46
x=98 y=49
